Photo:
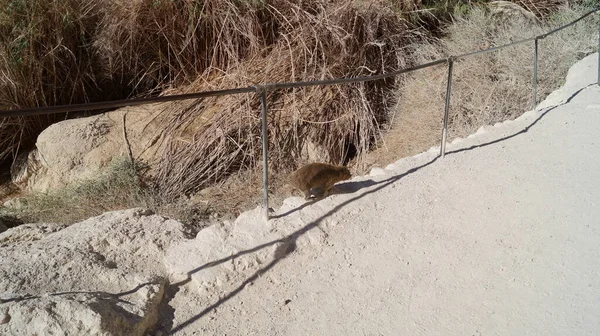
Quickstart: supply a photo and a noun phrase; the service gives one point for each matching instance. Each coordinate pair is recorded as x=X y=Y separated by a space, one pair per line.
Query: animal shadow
x=338 y=189
x=351 y=187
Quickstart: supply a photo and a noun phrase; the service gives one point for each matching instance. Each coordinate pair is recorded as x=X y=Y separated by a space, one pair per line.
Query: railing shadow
x=288 y=243
x=526 y=129
x=343 y=188
x=98 y=294
x=288 y=246
x=117 y=304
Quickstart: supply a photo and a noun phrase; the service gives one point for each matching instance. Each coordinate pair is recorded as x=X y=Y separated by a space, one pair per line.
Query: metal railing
x=264 y=88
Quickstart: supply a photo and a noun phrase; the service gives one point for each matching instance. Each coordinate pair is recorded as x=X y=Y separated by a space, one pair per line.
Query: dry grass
x=71 y=51
x=118 y=186
x=74 y=51
x=315 y=41
x=486 y=88
x=542 y=8
x=41 y=63
x=166 y=43
x=110 y=49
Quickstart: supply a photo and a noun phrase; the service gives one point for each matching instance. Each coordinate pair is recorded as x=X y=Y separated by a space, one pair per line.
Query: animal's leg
x=318 y=192
x=306 y=194
x=327 y=190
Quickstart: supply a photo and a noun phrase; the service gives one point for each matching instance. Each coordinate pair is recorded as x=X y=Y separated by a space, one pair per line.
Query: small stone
x=15 y=203
x=377 y=172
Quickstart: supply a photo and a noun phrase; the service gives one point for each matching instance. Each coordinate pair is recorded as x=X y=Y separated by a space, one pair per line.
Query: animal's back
x=318 y=175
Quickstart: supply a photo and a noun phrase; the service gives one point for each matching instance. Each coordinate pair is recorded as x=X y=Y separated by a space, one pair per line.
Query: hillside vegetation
x=487 y=88
x=69 y=51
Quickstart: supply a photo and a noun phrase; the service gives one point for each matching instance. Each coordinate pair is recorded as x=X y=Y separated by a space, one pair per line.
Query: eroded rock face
x=102 y=276
x=77 y=149
x=69 y=150
x=82 y=313
x=222 y=255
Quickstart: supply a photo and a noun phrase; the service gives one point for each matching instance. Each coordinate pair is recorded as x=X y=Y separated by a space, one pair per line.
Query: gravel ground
x=500 y=237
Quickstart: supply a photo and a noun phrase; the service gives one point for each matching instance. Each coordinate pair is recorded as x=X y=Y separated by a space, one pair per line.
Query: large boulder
x=77 y=149
x=102 y=276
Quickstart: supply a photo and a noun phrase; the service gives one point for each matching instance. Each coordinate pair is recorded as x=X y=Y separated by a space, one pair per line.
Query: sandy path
x=499 y=239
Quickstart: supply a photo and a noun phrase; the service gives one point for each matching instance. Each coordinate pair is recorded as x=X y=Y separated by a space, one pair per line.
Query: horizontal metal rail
x=276 y=86
x=118 y=103
x=478 y=52
x=269 y=87
x=263 y=89
x=569 y=24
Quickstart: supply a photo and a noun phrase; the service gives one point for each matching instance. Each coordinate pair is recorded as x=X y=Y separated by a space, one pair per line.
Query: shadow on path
x=97 y=294
x=523 y=130
x=288 y=246
x=289 y=242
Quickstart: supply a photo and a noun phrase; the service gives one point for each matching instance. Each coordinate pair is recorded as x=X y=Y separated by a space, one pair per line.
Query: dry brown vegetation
x=71 y=51
x=487 y=88
x=41 y=63
x=315 y=41
x=108 y=49
x=116 y=187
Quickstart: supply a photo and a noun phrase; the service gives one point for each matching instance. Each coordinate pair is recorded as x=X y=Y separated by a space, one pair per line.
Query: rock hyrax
x=318 y=176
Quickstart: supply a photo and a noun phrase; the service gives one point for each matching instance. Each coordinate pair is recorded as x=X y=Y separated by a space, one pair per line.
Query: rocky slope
x=103 y=276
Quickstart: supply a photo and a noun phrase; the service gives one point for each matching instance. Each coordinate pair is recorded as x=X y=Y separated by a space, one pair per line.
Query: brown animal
x=318 y=176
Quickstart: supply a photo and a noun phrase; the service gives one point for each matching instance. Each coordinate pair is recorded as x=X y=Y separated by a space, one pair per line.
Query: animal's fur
x=315 y=176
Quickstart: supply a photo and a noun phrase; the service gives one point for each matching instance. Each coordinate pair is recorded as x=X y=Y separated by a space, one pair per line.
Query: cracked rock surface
x=102 y=276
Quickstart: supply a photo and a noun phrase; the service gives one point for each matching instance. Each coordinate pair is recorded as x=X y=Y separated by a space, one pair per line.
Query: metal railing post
x=598 y=54
x=447 y=108
x=535 y=73
x=265 y=147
